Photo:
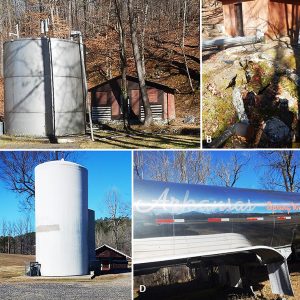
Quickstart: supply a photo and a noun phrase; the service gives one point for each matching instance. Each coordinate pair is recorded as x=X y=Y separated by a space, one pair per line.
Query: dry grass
x=13 y=265
x=12 y=268
x=115 y=139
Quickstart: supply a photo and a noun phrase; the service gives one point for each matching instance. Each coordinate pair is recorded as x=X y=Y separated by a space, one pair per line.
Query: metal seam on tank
x=26 y=112
x=41 y=76
x=52 y=88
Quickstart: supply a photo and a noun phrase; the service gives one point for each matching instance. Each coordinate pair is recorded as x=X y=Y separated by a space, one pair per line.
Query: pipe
x=239 y=128
x=78 y=33
x=232 y=41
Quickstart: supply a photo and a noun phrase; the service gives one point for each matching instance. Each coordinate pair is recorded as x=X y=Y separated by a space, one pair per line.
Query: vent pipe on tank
x=85 y=88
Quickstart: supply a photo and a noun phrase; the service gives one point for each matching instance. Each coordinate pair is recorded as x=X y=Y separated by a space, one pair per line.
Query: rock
x=260 y=35
x=276 y=131
x=248 y=75
x=265 y=56
x=250 y=99
x=228 y=62
x=286 y=99
x=293 y=76
x=283 y=104
x=189 y=120
x=238 y=104
x=220 y=28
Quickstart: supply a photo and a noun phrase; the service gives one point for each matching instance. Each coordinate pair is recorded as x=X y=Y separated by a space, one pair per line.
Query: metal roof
x=105 y=245
x=135 y=79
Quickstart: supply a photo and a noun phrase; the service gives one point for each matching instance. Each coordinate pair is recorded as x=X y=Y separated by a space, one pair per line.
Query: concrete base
x=80 y=277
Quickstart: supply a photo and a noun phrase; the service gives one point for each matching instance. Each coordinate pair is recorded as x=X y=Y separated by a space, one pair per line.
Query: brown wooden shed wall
x=108 y=95
x=274 y=17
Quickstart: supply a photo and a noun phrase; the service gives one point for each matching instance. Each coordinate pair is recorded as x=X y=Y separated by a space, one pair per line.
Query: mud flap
x=280 y=278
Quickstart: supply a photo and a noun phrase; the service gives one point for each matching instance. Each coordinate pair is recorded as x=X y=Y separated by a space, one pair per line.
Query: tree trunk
x=123 y=59
x=1 y=43
x=183 y=46
x=143 y=37
x=138 y=63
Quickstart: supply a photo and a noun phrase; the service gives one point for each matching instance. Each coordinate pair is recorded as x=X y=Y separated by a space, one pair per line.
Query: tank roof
x=60 y=163
x=39 y=38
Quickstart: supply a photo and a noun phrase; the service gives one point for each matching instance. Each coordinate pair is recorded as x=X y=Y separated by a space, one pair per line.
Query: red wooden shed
x=107 y=104
x=112 y=259
x=273 y=17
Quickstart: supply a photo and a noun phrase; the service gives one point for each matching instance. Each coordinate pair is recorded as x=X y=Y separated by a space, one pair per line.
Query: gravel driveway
x=115 y=289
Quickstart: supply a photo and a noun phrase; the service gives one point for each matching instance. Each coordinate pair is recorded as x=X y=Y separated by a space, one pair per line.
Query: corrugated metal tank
x=61 y=215
x=43 y=87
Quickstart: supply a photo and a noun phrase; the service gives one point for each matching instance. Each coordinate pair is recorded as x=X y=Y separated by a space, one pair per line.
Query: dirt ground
x=158 y=137
x=14 y=285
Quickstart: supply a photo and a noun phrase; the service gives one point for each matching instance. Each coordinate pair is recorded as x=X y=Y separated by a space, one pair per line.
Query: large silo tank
x=61 y=214
x=43 y=87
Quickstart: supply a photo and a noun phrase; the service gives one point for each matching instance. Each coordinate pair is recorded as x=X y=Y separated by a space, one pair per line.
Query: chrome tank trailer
x=163 y=209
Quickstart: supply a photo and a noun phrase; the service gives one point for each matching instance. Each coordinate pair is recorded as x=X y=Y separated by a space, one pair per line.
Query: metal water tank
x=44 y=87
x=61 y=217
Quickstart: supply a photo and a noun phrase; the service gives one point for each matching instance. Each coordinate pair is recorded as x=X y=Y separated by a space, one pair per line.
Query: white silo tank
x=61 y=214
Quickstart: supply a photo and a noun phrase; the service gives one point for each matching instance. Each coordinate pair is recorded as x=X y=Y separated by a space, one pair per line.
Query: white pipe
x=235 y=41
x=78 y=33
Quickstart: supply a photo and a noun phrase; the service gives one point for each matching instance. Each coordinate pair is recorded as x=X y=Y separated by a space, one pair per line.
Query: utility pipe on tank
x=79 y=34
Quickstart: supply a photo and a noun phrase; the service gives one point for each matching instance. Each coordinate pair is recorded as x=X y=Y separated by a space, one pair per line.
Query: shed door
x=152 y=95
x=100 y=99
x=238 y=9
x=105 y=265
x=135 y=102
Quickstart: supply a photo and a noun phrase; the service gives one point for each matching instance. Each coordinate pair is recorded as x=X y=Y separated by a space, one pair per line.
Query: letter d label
x=142 y=288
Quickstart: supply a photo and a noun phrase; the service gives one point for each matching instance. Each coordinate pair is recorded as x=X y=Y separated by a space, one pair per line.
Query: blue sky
x=107 y=170
x=251 y=174
x=250 y=177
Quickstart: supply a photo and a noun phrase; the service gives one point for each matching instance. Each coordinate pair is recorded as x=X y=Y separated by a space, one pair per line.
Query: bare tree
x=159 y=165
x=199 y=167
x=20 y=231
x=117 y=211
x=17 y=171
x=138 y=63
x=9 y=236
x=281 y=170
x=139 y=164
x=228 y=173
x=120 y=10
x=180 y=166
x=4 y=233
x=183 y=44
x=180 y=163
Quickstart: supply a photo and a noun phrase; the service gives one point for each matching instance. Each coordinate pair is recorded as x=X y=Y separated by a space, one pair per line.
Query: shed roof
x=113 y=249
x=135 y=79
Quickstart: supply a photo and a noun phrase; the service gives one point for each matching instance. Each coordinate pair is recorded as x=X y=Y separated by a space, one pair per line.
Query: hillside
x=160 y=28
